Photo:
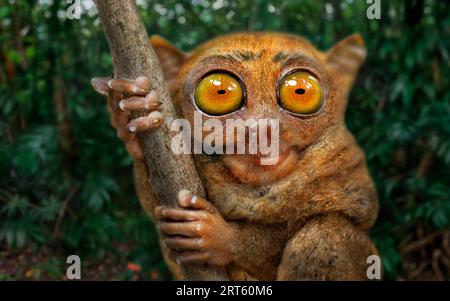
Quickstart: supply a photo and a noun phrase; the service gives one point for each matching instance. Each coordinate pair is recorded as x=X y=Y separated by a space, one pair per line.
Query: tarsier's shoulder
x=338 y=179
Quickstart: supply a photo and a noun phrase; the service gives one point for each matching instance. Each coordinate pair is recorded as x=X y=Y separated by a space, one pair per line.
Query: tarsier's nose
x=264 y=135
x=265 y=132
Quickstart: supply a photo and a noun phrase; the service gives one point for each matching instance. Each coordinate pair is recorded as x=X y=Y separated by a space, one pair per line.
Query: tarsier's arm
x=237 y=246
x=196 y=232
x=327 y=247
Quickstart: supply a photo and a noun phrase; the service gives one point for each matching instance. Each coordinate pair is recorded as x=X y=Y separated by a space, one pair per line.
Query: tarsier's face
x=269 y=76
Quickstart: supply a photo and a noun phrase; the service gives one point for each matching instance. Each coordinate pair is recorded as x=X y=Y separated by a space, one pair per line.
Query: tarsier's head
x=264 y=76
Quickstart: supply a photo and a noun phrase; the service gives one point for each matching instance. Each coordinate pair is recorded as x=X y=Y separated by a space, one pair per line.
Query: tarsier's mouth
x=259 y=170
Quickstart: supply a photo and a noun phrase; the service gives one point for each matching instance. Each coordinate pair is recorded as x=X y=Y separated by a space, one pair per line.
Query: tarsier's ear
x=170 y=57
x=347 y=56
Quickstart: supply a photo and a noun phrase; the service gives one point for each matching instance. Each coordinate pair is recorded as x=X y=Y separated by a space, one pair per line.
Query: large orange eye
x=301 y=93
x=219 y=94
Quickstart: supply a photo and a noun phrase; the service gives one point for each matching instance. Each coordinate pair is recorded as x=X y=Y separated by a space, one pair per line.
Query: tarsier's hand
x=124 y=98
x=196 y=233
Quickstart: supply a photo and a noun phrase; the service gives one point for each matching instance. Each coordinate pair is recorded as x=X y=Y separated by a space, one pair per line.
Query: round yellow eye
x=301 y=93
x=219 y=94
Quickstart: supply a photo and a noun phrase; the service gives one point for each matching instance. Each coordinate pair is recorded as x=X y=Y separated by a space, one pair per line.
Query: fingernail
x=155 y=114
x=153 y=105
x=183 y=195
x=132 y=128
x=138 y=90
x=156 y=117
x=142 y=81
x=194 y=199
x=110 y=83
x=122 y=105
x=151 y=95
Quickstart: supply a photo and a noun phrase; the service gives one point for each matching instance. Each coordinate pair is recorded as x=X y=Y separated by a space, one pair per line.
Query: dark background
x=66 y=181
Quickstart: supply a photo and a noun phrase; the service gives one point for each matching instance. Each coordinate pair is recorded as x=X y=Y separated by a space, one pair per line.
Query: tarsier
x=307 y=216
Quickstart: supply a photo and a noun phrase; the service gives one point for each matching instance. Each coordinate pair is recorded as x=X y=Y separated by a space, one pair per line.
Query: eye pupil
x=300 y=91
x=219 y=94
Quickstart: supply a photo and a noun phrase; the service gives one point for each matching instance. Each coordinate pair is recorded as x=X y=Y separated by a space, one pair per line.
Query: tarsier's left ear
x=170 y=57
x=347 y=56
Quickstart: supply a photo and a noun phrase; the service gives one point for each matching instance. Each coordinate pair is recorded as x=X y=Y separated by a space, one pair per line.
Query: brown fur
x=309 y=219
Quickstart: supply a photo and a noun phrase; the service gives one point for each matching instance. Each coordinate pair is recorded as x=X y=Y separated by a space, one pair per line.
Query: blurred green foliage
x=66 y=181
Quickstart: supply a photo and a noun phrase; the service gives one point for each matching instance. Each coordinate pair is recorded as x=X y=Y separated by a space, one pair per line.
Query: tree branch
x=133 y=56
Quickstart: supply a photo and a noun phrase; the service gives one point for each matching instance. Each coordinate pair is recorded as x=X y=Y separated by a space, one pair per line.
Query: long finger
x=149 y=102
x=149 y=122
x=100 y=84
x=190 y=229
x=187 y=199
x=166 y=213
x=184 y=243
x=190 y=257
x=128 y=87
